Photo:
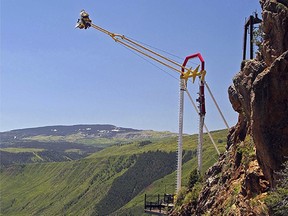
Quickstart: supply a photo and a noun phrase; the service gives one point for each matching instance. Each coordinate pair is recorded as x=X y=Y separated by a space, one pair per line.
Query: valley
x=110 y=181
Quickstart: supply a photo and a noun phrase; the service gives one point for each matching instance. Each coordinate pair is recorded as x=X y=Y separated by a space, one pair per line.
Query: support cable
x=209 y=134
x=161 y=50
x=141 y=49
x=150 y=62
x=216 y=104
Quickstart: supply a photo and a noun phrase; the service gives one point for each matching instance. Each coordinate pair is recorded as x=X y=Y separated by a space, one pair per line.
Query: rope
x=141 y=49
x=150 y=62
x=150 y=56
x=217 y=106
x=161 y=50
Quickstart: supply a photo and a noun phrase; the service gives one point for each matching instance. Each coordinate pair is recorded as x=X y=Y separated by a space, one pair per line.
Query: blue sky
x=53 y=74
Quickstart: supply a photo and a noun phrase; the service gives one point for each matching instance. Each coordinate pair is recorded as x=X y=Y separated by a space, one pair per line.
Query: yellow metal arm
x=85 y=22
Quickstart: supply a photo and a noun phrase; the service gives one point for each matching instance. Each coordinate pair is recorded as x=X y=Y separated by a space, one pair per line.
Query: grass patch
x=20 y=150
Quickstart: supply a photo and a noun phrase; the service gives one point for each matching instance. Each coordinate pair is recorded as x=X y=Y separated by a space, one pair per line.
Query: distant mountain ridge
x=65 y=143
x=106 y=130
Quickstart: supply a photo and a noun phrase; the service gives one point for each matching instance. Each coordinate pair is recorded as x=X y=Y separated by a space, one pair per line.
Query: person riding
x=84 y=21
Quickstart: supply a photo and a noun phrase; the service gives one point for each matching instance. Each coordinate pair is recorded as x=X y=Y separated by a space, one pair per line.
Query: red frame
x=191 y=57
x=201 y=87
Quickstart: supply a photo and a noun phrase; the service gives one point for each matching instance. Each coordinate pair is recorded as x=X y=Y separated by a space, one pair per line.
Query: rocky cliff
x=258 y=144
x=260 y=92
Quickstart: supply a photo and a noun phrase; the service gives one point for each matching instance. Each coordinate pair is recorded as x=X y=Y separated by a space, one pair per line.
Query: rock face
x=260 y=95
x=235 y=186
x=275 y=25
x=257 y=145
x=270 y=116
x=269 y=96
x=260 y=92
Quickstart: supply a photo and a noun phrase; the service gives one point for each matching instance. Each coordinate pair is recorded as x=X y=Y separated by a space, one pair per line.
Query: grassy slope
x=103 y=141
x=168 y=184
x=77 y=186
x=55 y=188
x=17 y=150
x=165 y=144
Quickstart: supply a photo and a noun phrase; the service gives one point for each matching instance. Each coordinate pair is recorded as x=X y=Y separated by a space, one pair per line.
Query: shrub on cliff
x=277 y=200
x=193 y=179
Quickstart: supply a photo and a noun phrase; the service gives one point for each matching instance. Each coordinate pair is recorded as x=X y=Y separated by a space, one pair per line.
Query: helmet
x=83 y=13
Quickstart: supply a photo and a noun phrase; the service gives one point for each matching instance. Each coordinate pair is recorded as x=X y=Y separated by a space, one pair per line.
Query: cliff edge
x=260 y=92
x=257 y=145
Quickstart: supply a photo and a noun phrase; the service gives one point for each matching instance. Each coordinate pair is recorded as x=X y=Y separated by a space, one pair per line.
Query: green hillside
x=111 y=181
x=67 y=143
x=168 y=184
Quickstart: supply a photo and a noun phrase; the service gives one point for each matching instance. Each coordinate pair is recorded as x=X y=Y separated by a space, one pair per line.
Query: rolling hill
x=66 y=143
x=110 y=181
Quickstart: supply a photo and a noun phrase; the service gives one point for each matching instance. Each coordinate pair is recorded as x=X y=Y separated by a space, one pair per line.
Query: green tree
x=193 y=178
x=277 y=200
x=258 y=37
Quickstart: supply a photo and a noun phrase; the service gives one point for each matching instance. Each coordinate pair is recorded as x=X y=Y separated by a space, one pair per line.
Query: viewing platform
x=153 y=204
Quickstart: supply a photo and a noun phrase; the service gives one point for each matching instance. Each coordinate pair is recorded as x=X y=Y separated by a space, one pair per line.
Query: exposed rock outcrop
x=270 y=116
x=260 y=92
x=275 y=25
x=236 y=184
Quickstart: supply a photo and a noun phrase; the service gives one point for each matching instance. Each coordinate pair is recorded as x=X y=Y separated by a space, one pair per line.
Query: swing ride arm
x=85 y=22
